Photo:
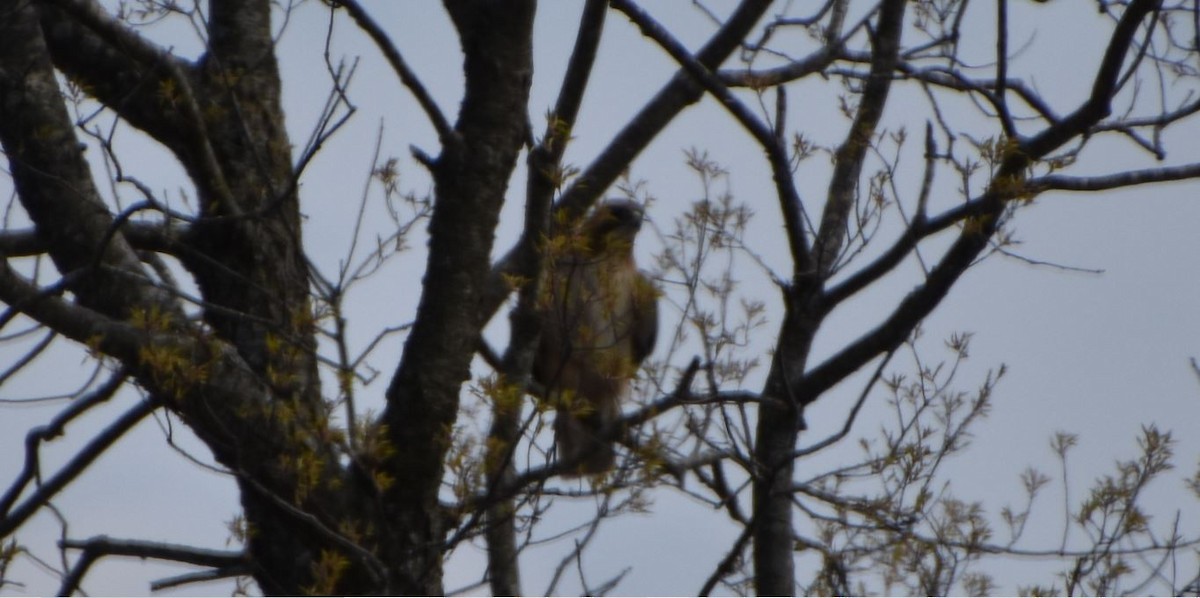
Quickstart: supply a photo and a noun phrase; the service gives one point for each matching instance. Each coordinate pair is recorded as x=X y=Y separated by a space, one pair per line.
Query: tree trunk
x=248 y=385
x=470 y=179
x=781 y=417
x=780 y=421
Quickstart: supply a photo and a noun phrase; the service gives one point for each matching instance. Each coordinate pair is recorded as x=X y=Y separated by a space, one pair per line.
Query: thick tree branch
x=117 y=37
x=140 y=235
x=53 y=179
x=123 y=70
x=1104 y=88
x=22 y=243
x=225 y=406
x=122 y=314
x=79 y=323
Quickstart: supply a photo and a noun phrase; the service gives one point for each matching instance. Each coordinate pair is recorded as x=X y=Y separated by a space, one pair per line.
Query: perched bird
x=600 y=322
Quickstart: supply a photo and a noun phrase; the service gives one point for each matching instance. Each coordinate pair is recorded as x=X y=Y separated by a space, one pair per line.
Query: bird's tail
x=581 y=443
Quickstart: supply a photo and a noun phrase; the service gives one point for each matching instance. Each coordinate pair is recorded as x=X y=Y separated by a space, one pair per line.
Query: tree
x=210 y=304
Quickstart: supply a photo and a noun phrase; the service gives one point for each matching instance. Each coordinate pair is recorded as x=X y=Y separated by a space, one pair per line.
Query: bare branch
x=21 y=243
x=201 y=577
x=409 y=78
x=1010 y=129
x=853 y=415
x=725 y=567
x=37 y=436
x=102 y=546
x=74 y=467
x=781 y=167
x=116 y=36
x=679 y=93
x=576 y=77
x=921 y=301
x=848 y=160
x=123 y=69
x=812 y=64
x=1113 y=181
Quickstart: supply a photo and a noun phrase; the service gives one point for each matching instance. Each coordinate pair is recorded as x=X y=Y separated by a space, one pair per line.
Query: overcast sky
x=1097 y=354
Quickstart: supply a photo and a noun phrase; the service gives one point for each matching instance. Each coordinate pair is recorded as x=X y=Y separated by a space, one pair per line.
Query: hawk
x=600 y=320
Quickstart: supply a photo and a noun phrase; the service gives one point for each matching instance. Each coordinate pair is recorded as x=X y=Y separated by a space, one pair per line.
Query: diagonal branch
x=409 y=78
x=115 y=36
x=76 y=322
x=75 y=466
x=852 y=416
x=52 y=178
x=781 y=168
x=204 y=576
x=578 y=73
x=812 y=64
x=121 y=68
x=679 y=93
x=920 y=228
x=849 y=158
x=1104 y=88
x=41 y=434
x=973 y=239
x=728 y=562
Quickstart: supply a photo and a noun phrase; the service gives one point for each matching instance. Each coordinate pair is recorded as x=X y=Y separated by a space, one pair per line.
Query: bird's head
x=614 y=223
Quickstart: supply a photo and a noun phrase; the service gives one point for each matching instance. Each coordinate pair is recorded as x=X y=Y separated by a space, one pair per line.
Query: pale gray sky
x=1094 y=354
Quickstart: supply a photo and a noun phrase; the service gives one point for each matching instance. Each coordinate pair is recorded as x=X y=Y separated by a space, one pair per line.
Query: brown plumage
x=600 y=322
